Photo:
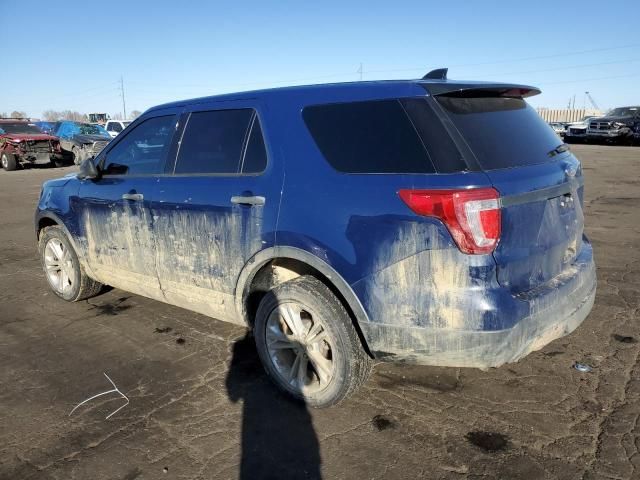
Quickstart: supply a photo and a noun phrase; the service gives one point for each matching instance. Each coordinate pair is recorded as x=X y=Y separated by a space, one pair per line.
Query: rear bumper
x=554 y=310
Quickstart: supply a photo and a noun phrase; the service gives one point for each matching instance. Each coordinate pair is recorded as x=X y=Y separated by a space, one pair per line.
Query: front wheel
x=57 y=161
x=308 y=344
x=9 y=162
x=62 y=268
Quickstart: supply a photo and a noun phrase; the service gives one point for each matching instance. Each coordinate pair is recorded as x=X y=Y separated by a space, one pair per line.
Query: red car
x=21 y=142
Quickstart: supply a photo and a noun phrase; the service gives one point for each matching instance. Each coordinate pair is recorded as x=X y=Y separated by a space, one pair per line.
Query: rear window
x=502 y=132
x=367 y=137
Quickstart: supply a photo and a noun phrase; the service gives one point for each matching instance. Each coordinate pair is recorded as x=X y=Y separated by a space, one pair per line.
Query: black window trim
x=399 y=100
x=255 y=115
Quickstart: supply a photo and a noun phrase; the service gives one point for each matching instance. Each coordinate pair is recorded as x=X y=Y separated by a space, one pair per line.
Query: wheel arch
x=285 y=257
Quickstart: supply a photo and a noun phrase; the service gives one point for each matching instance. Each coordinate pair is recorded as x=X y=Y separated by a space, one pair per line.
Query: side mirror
x=88 y=170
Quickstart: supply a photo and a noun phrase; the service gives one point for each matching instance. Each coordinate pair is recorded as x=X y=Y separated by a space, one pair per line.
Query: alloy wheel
x=59 y=266
x=300 y=348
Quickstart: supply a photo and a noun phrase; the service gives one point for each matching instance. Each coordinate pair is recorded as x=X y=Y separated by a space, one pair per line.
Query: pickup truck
x=114 y=127
x=620 y=125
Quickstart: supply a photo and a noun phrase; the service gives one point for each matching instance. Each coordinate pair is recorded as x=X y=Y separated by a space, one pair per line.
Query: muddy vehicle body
x=620 y=126
x=23 y=143
x=81 y=140
x=430 y=221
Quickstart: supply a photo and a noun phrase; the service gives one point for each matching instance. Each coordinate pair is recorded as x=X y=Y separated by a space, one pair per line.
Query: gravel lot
x=200 y=406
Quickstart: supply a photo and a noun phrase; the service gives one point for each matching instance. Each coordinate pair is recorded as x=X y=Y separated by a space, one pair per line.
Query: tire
x=56 y=250
x=75 y=156
x=57 y=162
x=331 y=365
x=9 y=162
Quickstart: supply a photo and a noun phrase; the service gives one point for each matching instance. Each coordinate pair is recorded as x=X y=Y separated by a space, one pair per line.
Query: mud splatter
x=113 y=308
x=623 y=338
x=163 y=330
x=487 y=441
x=430 y=279
x=553 y=354
x=180 y=341
x=382 y=422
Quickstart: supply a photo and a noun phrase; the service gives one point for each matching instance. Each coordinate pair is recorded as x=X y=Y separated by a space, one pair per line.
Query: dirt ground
x=200 y=406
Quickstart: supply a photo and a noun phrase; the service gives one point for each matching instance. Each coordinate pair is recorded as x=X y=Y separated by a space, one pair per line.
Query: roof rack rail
x=27 y=119
x=437 y=74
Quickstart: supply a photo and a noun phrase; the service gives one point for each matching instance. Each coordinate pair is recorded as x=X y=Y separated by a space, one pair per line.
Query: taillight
x=472 y=216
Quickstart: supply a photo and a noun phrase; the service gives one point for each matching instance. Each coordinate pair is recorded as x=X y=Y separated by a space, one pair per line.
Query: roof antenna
x=437 y=74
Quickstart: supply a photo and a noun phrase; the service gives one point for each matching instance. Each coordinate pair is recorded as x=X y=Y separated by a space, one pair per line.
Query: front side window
x=143 y=149
x=217 y=141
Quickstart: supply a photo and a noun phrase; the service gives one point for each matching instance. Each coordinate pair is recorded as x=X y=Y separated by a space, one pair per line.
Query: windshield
x=20 y=127
x=624 y=112
x=126 y=124
x=89 y=129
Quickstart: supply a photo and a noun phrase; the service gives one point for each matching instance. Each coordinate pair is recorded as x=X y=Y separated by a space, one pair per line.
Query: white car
x=577 y=131
x=114 y=127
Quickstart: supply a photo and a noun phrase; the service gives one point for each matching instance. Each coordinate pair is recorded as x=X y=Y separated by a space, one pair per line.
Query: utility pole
x=124 y=105
x=360 y=71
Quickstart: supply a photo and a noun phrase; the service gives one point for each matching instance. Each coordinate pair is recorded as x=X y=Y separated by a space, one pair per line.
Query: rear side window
x=367 y=137
x=502 y=132
x=217 y=141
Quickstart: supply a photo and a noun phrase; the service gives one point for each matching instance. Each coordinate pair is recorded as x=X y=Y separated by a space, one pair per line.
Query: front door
x=114 y=211
x=217 y=206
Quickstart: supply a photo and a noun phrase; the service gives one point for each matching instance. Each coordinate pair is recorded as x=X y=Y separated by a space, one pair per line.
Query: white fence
x=566 y=115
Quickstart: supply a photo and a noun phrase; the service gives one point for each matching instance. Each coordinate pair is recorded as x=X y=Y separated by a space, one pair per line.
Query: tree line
x=55 y=115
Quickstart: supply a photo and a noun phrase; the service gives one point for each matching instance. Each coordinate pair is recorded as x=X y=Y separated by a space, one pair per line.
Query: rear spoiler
x=478 y=89
x=437 y=83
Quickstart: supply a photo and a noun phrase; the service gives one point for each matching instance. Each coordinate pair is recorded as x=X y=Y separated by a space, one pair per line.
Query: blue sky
x=72 y=53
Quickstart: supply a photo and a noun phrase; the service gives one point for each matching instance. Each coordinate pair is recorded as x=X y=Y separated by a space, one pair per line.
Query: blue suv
x=432 y=221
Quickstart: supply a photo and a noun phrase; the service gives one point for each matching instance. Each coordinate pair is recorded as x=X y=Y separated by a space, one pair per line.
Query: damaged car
x=431 y=221
x=620 y=126
x=81 y=140
x=23 y=143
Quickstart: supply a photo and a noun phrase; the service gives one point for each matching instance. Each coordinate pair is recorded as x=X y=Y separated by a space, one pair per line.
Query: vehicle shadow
x=278 y=439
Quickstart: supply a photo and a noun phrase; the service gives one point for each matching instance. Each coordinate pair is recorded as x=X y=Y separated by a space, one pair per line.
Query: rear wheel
x=308 y=344
x=62 y=268
x=9 y=161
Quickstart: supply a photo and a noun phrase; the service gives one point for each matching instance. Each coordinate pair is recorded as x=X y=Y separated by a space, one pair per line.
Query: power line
x=584 y=65
x=591 y=79
x=515 y=60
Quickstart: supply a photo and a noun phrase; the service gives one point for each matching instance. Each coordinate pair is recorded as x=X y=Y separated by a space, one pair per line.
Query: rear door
x=217 y=206
x=539 y=180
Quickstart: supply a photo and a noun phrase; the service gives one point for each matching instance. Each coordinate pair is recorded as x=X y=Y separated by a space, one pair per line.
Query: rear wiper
x=558 y=150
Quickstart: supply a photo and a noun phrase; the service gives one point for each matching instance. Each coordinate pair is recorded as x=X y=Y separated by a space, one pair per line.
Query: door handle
x=248 y=200
x=136 y=197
